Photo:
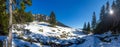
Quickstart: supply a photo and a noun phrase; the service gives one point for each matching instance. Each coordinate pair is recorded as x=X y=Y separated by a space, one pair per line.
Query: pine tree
x=29 y=17
x=3 y=18
x=118 y=4
x=117 y=13
x=40 y=18
x=93 y=21
x=20 y=16
x=88 y=28
x=107 y=7
x=102 y=13
x=85 y=26
x=20 y=4
x=52 y=19
x=113 y=6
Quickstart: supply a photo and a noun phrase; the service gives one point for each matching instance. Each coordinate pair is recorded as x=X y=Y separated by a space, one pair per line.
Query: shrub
x=41 y=30
x=53 y=30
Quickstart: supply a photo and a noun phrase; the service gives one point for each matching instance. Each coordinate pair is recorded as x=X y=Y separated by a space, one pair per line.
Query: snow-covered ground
x=41 y=34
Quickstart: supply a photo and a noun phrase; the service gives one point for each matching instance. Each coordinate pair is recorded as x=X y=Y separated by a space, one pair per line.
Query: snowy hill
x=41 y=34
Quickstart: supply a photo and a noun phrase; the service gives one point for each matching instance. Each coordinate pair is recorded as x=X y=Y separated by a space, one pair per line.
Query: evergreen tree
x=102 y=13
x=20 y=16
x=93 y=21
x=88 y=28
x=107 y=7
x=85 y=26
x=29 y=17
x=3 y=18
x=40 y=18
x=117 y=13
x=20 y=4
x=52 y=19
x=113 y=6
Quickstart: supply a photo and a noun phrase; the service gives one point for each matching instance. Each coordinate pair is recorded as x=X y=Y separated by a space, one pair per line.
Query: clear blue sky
x=70 y=12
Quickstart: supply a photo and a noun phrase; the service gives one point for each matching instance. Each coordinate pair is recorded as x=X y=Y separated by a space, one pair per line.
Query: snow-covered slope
x=41 y=34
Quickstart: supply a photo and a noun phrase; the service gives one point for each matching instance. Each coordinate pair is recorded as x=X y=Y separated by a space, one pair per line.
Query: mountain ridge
x=46 y=18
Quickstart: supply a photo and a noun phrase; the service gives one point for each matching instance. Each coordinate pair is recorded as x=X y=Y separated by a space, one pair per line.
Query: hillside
x=40 y=34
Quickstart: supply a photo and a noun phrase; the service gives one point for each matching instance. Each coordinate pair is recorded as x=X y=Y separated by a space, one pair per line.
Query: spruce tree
x=88 y=28
x=3 y=18
x=52 y=19
x=19 y=14
x=102 y=13
x=93 y=21
x=85 y=26
x=107 y=7
x=117 y=13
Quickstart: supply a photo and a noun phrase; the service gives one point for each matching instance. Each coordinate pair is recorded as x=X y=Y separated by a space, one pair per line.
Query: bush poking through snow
x=63 y=36
x=41 y=30
x=53 y=30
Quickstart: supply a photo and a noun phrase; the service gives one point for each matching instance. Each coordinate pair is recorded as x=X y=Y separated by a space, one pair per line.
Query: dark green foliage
x=88 y=27
x=109 y=21
x=19 y=14
x=3 y=18
x=40 y=18
x=100 y=28
x=52 y=19
x=93 y=21
x=22 y=17
x=29 y=17
x=102 y=13
x=107 y=7
x=85 y=27
x=104 y=23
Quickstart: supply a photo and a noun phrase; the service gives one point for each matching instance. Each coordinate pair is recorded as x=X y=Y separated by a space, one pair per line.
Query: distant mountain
x=46 y=18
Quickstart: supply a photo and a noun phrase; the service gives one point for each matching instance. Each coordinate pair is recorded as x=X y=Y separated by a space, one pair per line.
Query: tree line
x=50 y=19
x=20 y=16
x=107 y=21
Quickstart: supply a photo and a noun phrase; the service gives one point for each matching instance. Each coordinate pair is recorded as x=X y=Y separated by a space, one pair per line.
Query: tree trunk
x=10 y=24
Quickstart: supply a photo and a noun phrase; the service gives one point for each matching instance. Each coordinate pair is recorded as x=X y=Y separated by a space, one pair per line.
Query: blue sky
x=70 y=12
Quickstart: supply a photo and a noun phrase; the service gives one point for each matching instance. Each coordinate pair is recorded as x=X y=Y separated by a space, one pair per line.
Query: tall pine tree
x=107 y=7
x=102 y=13
x=93 y=21
x=85 y=26
x=52 y=19
x=88 y=28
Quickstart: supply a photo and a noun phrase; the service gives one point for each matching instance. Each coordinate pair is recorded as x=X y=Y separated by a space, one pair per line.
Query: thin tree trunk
x=10 y=24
